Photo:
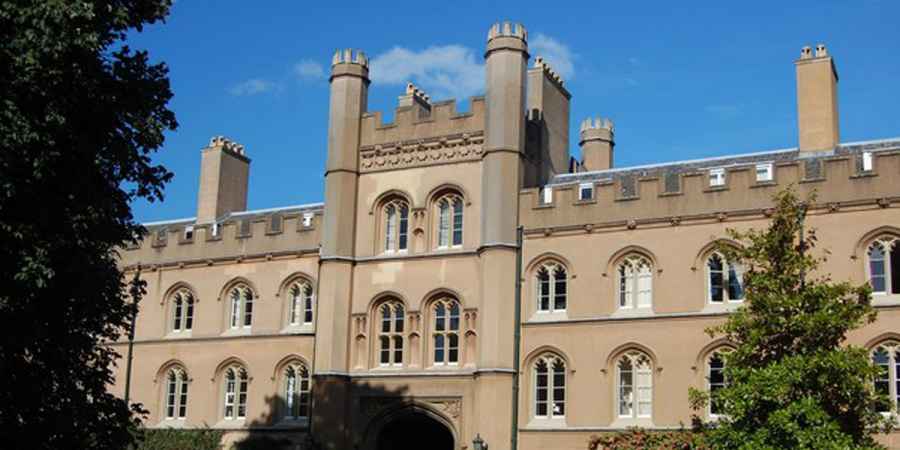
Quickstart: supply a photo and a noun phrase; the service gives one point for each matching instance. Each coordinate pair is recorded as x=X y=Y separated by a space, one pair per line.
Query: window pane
x=543 y=290
x=444 y=223
x=385 y=356
x=177 y=315
x=235 y=308
x=645 y=287
x=390 y=222
x=189 y=314
x=454 y=316
x=457 y=221
x=170 y=395
x=895 y=268
x=735 y=283
x=385 y=319
x=439 y=319
x=398 y=319
x=404 y=218
x=882 y=381
x=623 y=287
x=248 y=308
x=398 y=350
x=182 y=403
x=308 y=305
x=439 y=348
x=453 y=353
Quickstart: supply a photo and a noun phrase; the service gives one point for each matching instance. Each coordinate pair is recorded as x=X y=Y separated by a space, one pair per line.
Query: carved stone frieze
x=402 y=155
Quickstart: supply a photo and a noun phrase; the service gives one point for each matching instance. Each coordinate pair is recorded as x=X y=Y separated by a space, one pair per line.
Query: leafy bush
x=640 y=439
x=172 y=439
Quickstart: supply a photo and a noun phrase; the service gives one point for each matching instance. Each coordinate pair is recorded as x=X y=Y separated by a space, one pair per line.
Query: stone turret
x=597 y=142
x=817 y=103
x=224 y=175
x=548 y=124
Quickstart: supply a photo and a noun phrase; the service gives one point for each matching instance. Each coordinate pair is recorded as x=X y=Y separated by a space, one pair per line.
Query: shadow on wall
x=341 y=414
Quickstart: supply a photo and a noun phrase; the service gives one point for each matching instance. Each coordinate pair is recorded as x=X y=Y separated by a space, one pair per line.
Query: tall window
x=716 y=381
x=446 y=332
x=296 y=391
x=450 y=221
x=235 y=391
x=176 y=393
x=390 y=333
x=725 y=280
x=635 y=276
x=240 y=307
x=396 y=226
x=301 y=307
x=634 y=386
x=887 y=358
x=884 y=265
x=549 y=387
x=182 y=311
x=551 y=287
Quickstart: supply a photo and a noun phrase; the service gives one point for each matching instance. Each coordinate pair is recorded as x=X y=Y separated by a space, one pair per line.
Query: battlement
x=806 y=52
x=507 y=29
x=416 y=93
x=539 y=63
x=600 y=123
x=237 y=235
x=721 y=189
x=408 y=125
x=227 y=145
x=350 y=56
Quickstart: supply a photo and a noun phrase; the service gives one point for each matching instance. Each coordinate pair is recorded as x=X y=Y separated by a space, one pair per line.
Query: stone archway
x=410 y=426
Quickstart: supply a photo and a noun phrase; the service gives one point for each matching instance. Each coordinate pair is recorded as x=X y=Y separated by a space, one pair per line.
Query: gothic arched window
x=301 y=303
x=182 y=304
x=390 y=323
x=635 y=282
x=715 y=379
x=296 y=391
x=235 y=393
x=549 y=387
x=445 y=331
x=634 y=386
x=886 y=358
x=884 y=265
x=724 y=279
x=240 y=304
x=450 y=221
x=395 y=215
x=552 y=287
x=176 y=394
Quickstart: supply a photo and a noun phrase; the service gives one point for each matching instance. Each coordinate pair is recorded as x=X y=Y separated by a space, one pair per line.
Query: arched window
x=634 y=386
x=551 y=287
x=884 y=265
x=549 y=387
x=235 y=393
x=445 y=332
x=725 y=280
x=887 y=358
x=450 y=221
x=182 y=311
x=176 y=393
x=635 y=276
x=301 y=303
x=390 y=325
x=296 y=391
x=396 y=226
x=240 y=300
x=715 y=378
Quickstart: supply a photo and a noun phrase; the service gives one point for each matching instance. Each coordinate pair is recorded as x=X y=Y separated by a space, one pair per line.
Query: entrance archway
x=414 y=430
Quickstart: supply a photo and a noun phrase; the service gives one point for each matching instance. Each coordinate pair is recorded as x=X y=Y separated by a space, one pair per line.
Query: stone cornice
x=448 y=149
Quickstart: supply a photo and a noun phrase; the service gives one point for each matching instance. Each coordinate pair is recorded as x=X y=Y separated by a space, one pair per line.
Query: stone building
x=407 y=306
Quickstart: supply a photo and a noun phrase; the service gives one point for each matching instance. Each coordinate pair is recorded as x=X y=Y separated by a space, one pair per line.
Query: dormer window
x=763 y=172
x=586 y=191
x=867 y=162
x=215 y=229
x=189 y=232
x=546 y=195
x=716 y=177
x=307 y=219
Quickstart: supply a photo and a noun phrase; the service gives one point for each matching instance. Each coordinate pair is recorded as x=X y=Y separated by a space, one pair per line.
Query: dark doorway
x=414 y=431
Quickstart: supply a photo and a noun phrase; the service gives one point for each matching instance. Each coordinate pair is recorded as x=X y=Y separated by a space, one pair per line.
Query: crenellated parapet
x=507 y=29
x=350 y=56
x=856 y=175
x=223 y=143
x=409 y=126
x=551 y=74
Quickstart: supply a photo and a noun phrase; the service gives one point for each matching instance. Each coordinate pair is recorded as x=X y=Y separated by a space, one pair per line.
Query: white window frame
x=634 y=357
x=726 y=280
x=868 y=163
x=189 y=232
x=552 y=268
x=717 y=177
x=240 y=304
x=301 y=308
x=447 y=332
x=628 y=283
x=889 y=244
x=175 y=394
x=767 y=172
x=893 y=368
x=395 y=217
x=235 y=388
x=709 y=384
x=546 y=195
x=551 y=362
x=307 y=219
x=183 y=308
x=297 y=392
x=585 y=187
x=396 y=331
x=449 y=212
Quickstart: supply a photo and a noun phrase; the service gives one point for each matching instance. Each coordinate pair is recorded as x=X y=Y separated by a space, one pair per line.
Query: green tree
x=80 y=116
x=792 y=383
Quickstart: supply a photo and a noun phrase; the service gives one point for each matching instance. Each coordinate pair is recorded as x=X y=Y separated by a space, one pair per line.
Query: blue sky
x=679 y=79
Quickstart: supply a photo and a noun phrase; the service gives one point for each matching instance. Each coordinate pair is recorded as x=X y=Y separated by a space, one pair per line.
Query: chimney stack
x=597 y=142
x=415 y=98
x=548 y=117
x=224 y=173
x=817 y=107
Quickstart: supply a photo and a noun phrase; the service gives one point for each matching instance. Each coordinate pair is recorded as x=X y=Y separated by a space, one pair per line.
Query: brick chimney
x=817 y=104
x=597 y=142
x=417 y=99
x=224 y=173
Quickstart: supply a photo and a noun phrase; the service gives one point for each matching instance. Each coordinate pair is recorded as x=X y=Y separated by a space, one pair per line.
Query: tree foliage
x=640 y=439
x=80 y=116
x=792 y=383
x=173 y=439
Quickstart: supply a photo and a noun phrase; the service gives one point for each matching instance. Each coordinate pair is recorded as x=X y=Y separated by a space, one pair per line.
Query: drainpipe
x=517 y=339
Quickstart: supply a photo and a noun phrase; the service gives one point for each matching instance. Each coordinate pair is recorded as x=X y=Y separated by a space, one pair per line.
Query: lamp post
x=478 y=443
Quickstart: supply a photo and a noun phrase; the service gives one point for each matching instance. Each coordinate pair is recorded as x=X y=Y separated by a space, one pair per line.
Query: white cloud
x=252 y=86
x=308 y=69
x=444 y=71
x=559 y=55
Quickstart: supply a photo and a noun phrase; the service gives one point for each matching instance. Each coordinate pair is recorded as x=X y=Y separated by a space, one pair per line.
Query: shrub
x=173 y=439
x=640 y=439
